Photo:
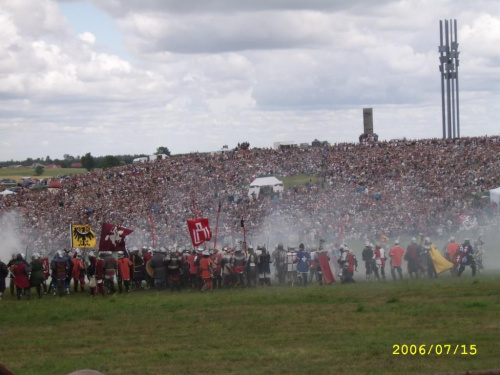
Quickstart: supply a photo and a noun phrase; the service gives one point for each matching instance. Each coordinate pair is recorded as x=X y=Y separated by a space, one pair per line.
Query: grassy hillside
x=337 y=329
x=16 y=174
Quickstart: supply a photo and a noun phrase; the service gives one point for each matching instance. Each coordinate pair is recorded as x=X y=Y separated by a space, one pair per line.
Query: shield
x=150 y=270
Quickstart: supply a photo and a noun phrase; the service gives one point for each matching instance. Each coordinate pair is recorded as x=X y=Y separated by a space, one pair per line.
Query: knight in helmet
x=217 y=258
x=349 y=264
x=110 y=271
x=279 y=260
x=207 y=266
x=59 y=267
x=159 y=265
x=174 y=265
x=37 y=277
x=466 y=258
x=251 y=270
x=78 y=271
x=264 y=264
x=367 y=257
x=21 y=271
x=238 y=266
x=124 y=265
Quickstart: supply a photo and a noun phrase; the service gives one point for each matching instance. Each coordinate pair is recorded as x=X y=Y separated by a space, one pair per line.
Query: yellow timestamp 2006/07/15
x=438 y=349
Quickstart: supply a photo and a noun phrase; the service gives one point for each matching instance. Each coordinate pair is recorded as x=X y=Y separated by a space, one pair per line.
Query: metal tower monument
x=448 y=58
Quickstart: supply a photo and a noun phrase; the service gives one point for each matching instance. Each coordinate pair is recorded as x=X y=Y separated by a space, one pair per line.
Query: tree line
x=88 y=160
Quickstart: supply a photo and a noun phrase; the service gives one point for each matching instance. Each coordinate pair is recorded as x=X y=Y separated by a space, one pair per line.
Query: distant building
x=316 y=143
x=76 y=165
x=284 y=144
x=53 y=166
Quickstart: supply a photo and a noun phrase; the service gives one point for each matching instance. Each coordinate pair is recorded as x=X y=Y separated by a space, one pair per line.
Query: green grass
x=341 y=329
x=16 y=174
x=299 y=180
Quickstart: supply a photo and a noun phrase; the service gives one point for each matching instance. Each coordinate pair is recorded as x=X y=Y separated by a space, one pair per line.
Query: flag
x=82 y=235
x=199 y=230
x=325 y=268
x=46 y=267
x=440 y=262
x=113 y=237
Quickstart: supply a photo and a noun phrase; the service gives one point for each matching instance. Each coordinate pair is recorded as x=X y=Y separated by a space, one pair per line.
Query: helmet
x=467 y=239
x=205 y=253
x=427 y=240
x=413 y=240
x=121 y=254
x=301 y=246
x=35 y=256
x=396 y=242
x=367 y=243
x=452 y=239
x=60 y=253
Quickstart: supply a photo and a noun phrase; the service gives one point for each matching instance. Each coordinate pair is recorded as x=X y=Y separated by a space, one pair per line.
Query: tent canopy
x=495 y=195
x=261 y=182
x=266 y=181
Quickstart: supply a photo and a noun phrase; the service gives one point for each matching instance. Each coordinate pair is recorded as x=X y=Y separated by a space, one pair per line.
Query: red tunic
x=396 y=255
x=206 y=264
x=78 y=266
x=20 y=277
x=124 y=268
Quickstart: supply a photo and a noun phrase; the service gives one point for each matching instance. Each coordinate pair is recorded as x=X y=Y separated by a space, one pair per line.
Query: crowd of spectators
x=363 y=191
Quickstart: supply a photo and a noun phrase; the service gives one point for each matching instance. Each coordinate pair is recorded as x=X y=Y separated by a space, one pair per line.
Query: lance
x=152 y=224
x=217 y=225
x=244 y=235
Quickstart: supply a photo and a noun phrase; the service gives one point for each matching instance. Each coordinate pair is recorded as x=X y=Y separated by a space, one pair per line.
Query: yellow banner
x=440 y=262
x=82 y=236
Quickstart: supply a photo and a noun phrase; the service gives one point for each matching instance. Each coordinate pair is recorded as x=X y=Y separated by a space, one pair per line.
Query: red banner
x=113 y=237
x=46 y=267
x=325 y=269
x=199 y=230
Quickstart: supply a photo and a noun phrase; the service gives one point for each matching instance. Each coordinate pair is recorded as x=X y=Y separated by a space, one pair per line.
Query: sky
x=115 y=77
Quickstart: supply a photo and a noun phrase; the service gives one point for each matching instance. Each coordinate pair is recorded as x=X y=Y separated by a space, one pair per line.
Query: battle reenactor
x=264 y=263
x=279 y=259
x=174 y=264
x=466 y=257
x=367 y=256
x=252 y=266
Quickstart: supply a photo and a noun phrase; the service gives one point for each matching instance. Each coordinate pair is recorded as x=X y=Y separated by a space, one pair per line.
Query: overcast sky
x=126 y=76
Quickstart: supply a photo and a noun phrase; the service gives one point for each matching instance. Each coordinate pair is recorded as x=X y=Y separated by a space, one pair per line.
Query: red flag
x=325 y=268
x=199 y=230
x=113 y=237
x=46 y=267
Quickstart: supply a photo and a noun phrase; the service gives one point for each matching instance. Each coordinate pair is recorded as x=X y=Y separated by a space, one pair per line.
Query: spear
x=217 y=225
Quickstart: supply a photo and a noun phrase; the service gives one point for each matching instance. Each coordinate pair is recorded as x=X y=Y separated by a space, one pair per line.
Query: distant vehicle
x=7 y=182
x=26 y=183
x=14 y=188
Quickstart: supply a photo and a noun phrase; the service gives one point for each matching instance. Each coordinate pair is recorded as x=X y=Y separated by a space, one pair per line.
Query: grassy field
x=337 y=329
x=16 y=174
x=299 y=180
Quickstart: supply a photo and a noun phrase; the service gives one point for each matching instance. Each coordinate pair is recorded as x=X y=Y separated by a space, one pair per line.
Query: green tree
x=88 y=161
x=39 y=170
x=162 y=150
x=110 y=161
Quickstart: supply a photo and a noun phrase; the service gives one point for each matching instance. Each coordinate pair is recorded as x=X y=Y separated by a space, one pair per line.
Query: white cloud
x=214 y=72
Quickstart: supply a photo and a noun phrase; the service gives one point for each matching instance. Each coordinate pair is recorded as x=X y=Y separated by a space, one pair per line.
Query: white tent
x=256 y=184
x=7 y=192
x=495 y=195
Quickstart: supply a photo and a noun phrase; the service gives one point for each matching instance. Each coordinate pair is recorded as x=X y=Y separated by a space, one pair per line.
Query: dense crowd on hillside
x=364 y=191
